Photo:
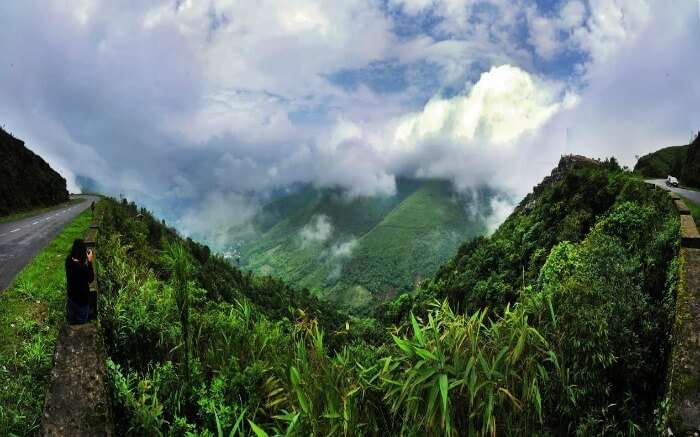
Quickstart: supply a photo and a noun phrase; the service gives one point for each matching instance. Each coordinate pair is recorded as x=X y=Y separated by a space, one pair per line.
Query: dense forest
x=27 y=180
x=556 y=324
x=682 y=162
x=357 y=250
x=691 y=170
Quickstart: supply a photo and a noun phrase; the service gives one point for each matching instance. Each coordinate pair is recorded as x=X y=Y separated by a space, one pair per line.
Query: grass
x=694 y=209
x=23 y=214
x=33 y=309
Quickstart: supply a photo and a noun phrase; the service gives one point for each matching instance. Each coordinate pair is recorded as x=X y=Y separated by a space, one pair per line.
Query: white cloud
x=612 y=25
x=502 y=105
x=217 y=217
x=344 y=249
x=550 y=35
x=501 y=209
x=572 y=14
x=318 y=230
x=412 y=7
x=544 y=36
x=224 y=96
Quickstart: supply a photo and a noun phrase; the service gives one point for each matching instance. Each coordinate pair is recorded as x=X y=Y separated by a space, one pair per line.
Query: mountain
x=590 y=258
x=27 y=180
x=663 y=162
x=356 y=250
x=559 y=323
x=691 y=170
x=682 y=162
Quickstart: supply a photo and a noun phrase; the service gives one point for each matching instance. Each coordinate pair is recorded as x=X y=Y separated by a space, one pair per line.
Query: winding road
x=693 y=196
x=22 y=239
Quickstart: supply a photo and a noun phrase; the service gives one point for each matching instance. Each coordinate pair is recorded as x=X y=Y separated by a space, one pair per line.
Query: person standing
x=79 y=275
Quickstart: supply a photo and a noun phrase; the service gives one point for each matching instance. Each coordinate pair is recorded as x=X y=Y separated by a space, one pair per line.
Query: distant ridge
x=356 y=251
x=27 y=180
x=663 y=162
x=682 y=162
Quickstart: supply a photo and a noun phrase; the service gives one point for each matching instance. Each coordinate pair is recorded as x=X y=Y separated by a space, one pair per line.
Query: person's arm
x=90 y=272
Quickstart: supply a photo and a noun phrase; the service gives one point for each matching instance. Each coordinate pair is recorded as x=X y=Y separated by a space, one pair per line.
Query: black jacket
x=78 y=278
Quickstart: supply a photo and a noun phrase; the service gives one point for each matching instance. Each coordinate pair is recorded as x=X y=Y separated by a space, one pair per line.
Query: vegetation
x=663 y=162
x=682 y=162
x=28 y=181
x=356 y=251
x=557 y=324
x=691 y=170
x=694 y=209
x=33 y=308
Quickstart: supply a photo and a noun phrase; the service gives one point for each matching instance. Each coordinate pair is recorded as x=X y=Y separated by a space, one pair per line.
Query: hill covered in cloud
x=356 y=251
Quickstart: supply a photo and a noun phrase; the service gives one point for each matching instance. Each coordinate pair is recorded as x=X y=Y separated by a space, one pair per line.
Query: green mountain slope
x=691 y=170
x=27 y=180
x=589 y=257
x=682 y=162
x=588 y=263
x=663 y=162
x=349 y=250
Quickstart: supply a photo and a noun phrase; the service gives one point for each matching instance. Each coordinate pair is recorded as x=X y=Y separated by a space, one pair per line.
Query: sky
x=206 y=104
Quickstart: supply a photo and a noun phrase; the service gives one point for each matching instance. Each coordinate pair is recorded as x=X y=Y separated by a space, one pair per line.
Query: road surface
x=21 y=240
x=693 y=196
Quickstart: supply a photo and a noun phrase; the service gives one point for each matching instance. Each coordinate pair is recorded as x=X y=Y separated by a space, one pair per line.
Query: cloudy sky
x=207 y=101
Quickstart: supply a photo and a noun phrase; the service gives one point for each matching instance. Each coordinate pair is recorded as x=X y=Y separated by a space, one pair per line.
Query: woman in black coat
x=79 y=275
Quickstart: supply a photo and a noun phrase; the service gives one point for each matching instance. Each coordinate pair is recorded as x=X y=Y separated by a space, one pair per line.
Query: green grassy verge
x=32 y=310
x=31 y=212
x=694 y=209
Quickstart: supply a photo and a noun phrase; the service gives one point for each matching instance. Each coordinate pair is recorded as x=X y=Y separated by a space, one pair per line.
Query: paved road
x=694 y=196
x=22 y=239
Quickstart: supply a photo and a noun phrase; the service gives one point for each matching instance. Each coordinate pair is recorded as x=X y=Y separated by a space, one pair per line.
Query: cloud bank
x=318 y=230
x=195 y=108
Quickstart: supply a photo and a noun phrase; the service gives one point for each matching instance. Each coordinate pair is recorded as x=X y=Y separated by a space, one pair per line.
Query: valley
x=355 y=251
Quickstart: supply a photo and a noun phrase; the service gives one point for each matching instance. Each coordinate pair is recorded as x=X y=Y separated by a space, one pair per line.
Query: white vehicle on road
x=671 y=181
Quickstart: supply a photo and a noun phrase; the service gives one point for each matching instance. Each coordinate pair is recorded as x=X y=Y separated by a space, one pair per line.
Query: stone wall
x=78 y=402
x=683 y=390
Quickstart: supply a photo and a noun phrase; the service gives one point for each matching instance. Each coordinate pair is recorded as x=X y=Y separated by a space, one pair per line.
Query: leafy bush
x=557 y=324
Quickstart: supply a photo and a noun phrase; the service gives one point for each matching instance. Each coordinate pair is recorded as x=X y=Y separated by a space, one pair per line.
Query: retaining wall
x=78 y=402
x=683 y=390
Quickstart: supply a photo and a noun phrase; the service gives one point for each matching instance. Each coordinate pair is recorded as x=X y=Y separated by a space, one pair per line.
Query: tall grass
x=575 y=353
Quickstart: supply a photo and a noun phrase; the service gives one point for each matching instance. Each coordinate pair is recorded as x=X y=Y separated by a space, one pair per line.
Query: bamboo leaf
x=259 y=432
x=417 y=332
x=443 y=394
x=425 y=354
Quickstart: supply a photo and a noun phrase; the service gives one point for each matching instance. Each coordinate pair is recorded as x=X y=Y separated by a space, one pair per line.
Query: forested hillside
x=27 y=180
x=354 y=251
x=682 y=162
x=663 y=162
x=691 y=170
x=557 y=324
